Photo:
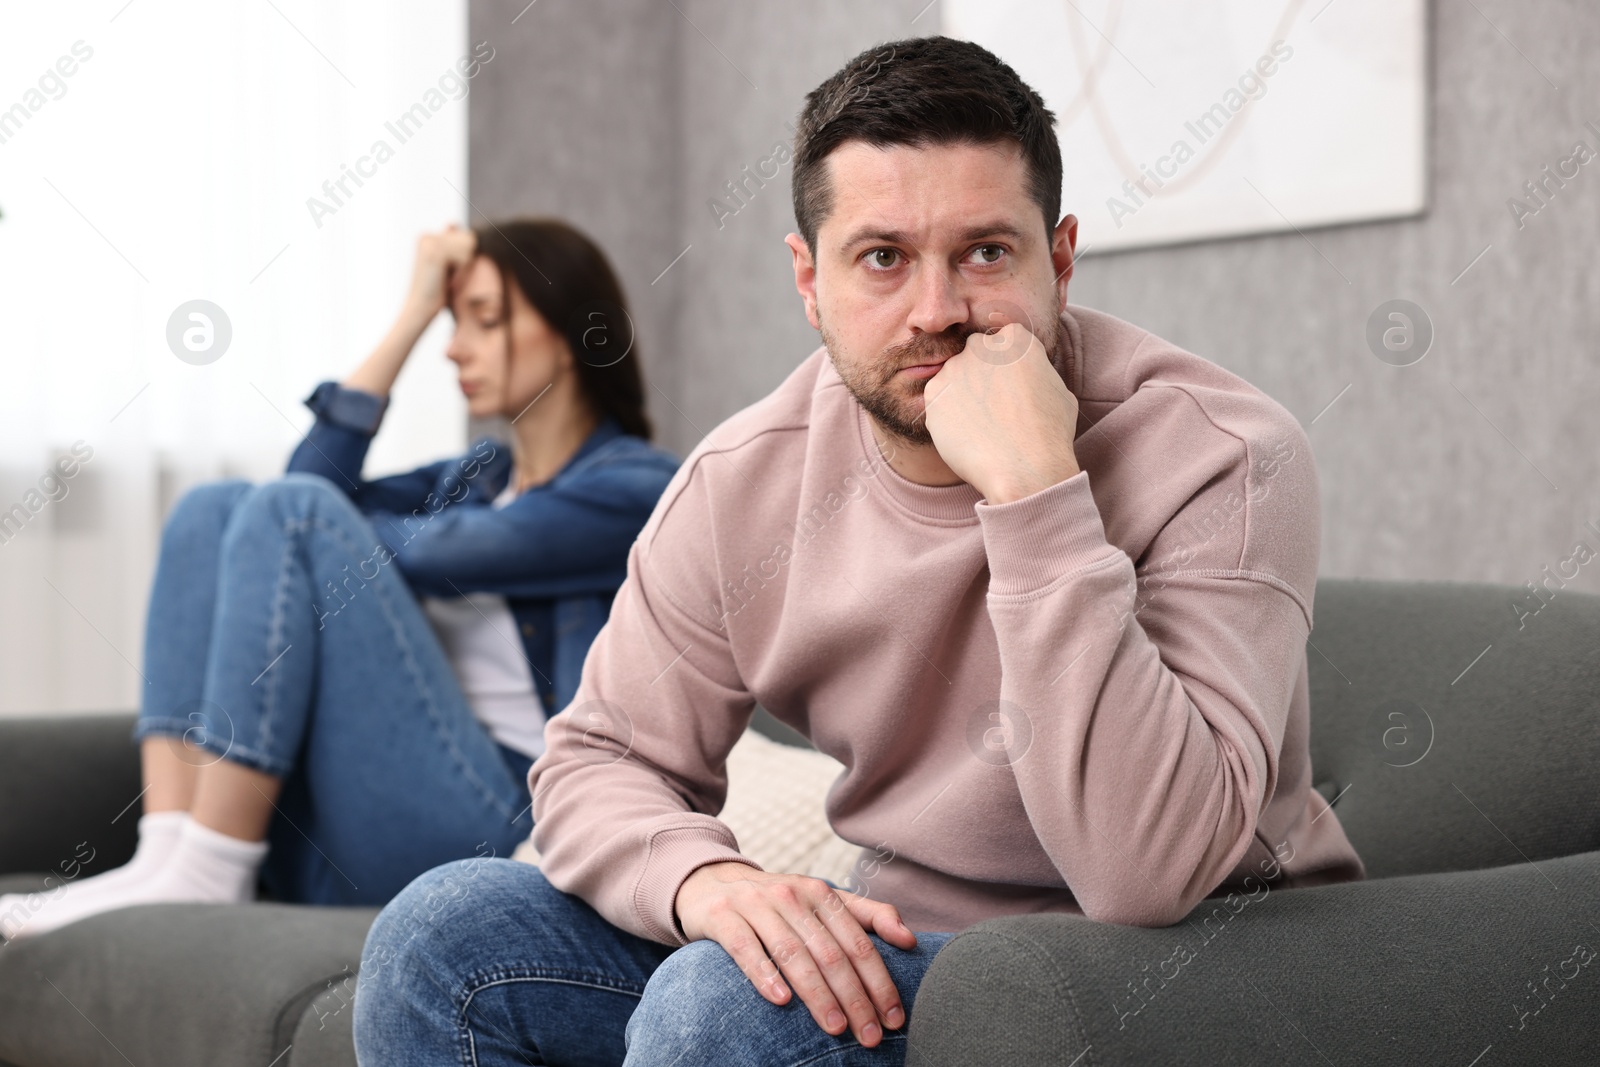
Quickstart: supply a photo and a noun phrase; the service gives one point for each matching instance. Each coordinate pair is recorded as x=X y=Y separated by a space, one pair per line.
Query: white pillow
x=775 y=810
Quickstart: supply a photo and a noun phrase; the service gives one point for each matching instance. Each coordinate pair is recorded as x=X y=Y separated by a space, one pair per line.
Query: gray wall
x=1479 y=462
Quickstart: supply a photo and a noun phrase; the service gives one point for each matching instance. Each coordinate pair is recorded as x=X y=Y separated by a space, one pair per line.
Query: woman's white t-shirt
x=479 y=636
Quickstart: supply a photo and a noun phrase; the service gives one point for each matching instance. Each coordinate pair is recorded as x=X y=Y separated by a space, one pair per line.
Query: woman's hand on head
x=442 y=259
x=441 y=255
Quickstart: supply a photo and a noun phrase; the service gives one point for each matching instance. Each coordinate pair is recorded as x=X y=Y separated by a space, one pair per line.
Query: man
x=1040 y=580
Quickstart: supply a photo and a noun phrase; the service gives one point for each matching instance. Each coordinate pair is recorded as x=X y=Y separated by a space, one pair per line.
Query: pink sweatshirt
x=1091 y=700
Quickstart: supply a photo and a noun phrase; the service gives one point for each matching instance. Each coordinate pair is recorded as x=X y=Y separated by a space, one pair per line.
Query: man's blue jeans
x=277 y=639
x=483 y=961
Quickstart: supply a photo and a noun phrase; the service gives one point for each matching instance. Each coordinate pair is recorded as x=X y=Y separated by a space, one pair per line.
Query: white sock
x=205 y=866
x=23 y=913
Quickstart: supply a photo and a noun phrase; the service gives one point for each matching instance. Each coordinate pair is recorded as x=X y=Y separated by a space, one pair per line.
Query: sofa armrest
x=68 y=785
x=1427 y=968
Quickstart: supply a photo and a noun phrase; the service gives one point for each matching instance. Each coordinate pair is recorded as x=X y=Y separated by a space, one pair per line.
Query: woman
x=347 y=680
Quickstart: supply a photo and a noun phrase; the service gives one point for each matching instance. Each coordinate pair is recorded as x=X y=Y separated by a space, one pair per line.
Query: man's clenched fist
x=1001 y=417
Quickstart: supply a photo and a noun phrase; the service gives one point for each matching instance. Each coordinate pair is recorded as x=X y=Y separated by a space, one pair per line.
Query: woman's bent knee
x=299 y=494
x=298 y=501
x=206 y=506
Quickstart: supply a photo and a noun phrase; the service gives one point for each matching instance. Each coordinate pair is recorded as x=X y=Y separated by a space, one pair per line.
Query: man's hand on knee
x=807 y=931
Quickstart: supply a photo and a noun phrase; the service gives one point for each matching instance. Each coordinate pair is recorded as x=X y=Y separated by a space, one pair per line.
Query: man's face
x=925 y=246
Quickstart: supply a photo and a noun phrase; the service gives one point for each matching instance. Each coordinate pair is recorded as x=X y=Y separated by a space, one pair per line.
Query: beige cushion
x=775 y=810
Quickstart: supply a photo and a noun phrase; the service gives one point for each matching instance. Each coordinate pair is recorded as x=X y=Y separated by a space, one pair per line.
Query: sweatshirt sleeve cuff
x=674 y=855
x=1035 y=540
x=354 y=409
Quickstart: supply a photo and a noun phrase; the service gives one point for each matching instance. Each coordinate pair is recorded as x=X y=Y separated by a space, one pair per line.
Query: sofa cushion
x=326 y=1034
x=1457 y=734
x=1493 y=968
x=183 y=984
x=69 y=786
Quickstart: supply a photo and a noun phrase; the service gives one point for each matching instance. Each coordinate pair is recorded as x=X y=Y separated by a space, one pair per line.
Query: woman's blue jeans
x=483 y=961
x=278 y=639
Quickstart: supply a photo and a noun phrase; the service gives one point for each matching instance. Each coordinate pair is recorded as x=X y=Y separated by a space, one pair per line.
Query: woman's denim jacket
x=557 y=552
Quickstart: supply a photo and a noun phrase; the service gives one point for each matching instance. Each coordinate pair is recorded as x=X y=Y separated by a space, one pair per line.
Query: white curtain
x=156 y=153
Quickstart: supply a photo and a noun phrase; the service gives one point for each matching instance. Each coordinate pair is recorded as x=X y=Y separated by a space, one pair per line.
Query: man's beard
x=892 y=402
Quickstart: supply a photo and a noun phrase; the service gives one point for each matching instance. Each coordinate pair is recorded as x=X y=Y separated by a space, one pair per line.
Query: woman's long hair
x=569 y=281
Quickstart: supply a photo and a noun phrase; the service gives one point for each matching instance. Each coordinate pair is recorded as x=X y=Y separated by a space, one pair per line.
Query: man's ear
x=1063 y=256
x=805 y=275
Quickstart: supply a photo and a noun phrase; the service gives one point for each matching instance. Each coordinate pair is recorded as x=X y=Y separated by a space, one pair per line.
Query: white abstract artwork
x=1184 y=122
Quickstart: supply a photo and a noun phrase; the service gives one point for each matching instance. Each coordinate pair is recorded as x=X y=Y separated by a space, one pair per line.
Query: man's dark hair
x=922 y=91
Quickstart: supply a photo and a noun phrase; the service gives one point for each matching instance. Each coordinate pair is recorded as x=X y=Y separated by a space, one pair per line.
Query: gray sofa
x=1462 y=748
